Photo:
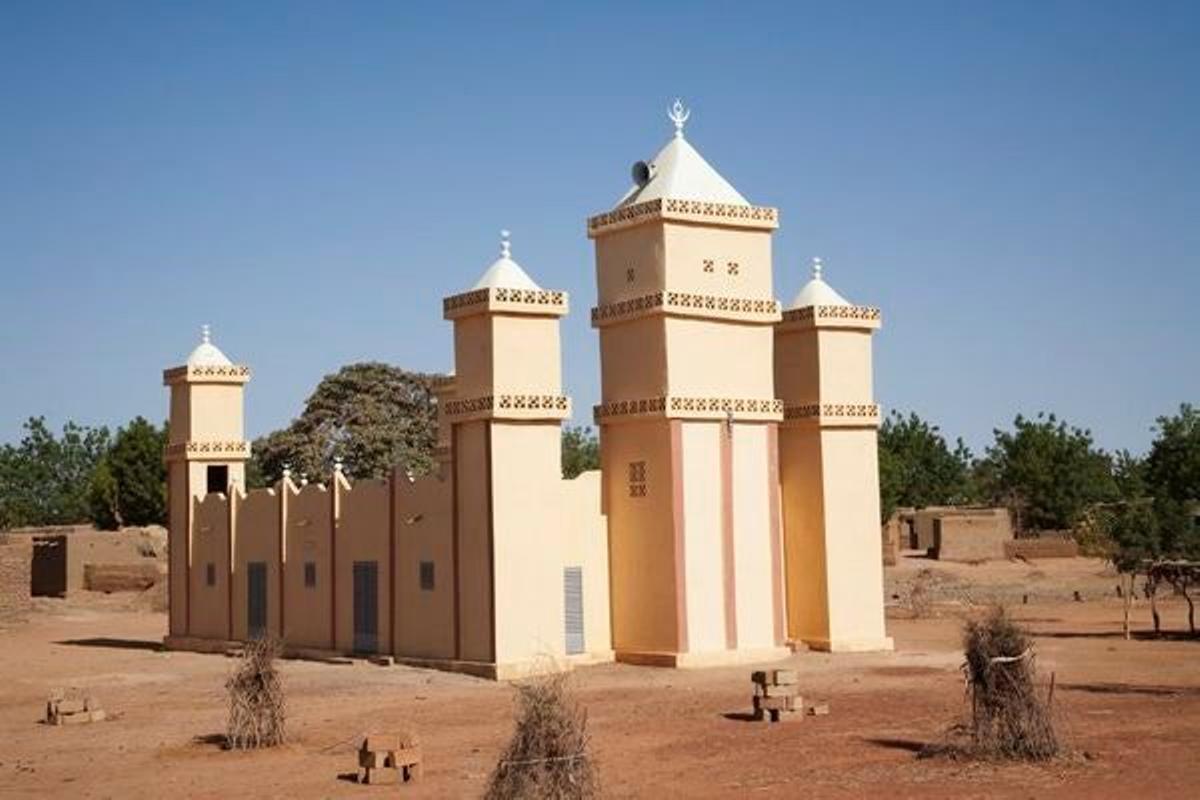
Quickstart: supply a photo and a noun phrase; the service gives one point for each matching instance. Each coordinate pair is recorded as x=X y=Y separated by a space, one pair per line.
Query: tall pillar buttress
x=829 y=474
x=504 y=426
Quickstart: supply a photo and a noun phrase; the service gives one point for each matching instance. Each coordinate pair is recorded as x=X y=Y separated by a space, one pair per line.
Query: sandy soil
x=1130 y=708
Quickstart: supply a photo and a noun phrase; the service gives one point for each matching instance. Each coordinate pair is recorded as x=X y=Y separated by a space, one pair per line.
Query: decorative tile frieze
x=675 y=406
x=686 y=304
x=509 y=406
x=833 y=317
x=741 y=216
x=834 y=414
x=208 y=373
x=207 y=450
x=525 y=301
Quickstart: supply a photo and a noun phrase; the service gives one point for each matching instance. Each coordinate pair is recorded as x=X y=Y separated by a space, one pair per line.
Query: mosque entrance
x=366 y=606
x=256 y=599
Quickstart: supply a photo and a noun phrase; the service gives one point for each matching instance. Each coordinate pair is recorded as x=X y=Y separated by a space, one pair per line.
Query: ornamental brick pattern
x=685 y=303
x=693 y=407
x=815 y=314
x=525 y=405
x=855 y=414
x=531 y=300
x=212 y=449
x=689 y=210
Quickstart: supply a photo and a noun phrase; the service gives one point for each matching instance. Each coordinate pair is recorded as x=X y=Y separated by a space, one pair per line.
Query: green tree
x=372 y=416
x=1047 y=472
x=917 y=468
x=580 y=451
x=44 y=480
x=129 y=485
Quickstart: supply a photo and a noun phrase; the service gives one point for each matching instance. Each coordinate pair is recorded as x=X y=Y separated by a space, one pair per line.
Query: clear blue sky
x=1017 y=185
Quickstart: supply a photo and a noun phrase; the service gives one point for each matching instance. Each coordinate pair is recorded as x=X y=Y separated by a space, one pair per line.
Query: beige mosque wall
x=707 y=359
x=584 y=534
x=639 y=347
x=797 y=361
x=256 y=539
x=180 y=427
x=209 y=600
x=753 y=527
x=845 y=366
x=526 y=477
x=473 y=356
x=640 y=249
x=424 y=533
x=703 y=531
x=178 y=545
x=854 y=568
x=801 y=476
x=308 y=610
x=222 y=417
x=475 y=615
x=526 y=355
x=362 y=534
x=647 y=603
x=740 y=260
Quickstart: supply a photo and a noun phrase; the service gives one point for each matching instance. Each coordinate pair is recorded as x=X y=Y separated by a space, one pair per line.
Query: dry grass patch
x=256 y=703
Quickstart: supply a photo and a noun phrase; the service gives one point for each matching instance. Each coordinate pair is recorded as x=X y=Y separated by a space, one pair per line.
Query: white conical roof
x=680 y=172
x=504 y=273
x=206 y=353
x=817 y=292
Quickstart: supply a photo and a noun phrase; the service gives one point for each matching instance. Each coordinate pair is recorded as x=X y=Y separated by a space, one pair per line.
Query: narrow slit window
x=427 y=576
x=637 y=478
x=210 y=574
x=310 y=574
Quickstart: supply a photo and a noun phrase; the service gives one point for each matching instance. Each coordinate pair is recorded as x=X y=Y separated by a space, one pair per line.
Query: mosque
x=735 y=515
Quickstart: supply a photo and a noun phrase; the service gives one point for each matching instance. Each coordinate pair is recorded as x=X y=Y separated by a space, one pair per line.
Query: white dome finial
x=816 y=268
x=679 y=115
x=505 y=245
x=205 y=334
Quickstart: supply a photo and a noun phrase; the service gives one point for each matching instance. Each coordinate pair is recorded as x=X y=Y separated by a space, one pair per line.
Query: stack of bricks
x=63 y=710
x=775 y=694
x=385 y=751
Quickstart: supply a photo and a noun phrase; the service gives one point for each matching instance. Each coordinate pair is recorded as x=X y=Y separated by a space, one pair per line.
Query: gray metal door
x=573 y=609
x=256 y=599
x=366 y=606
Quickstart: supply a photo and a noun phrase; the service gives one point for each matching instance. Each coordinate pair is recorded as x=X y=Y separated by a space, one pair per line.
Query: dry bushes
x=548 y=753
x=256 y=705
x=1009 y=719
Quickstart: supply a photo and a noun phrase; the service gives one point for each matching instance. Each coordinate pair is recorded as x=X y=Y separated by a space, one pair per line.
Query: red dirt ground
x=1130 y=708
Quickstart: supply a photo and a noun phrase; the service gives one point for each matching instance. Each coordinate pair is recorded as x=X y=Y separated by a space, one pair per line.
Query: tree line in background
x=83 y=475
x=372 y=416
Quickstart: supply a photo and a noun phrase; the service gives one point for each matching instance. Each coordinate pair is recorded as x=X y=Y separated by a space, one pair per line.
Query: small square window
x=630 y=275
x=310 y=574
x=732 y=268
x=216 y=478
x=708 y=265
x=210 y=574
x=427 y=582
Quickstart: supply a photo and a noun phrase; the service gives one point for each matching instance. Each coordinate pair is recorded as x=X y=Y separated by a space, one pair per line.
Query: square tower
x=688 y=415
x=829 y=471
x=206 y=453
x=502 y=420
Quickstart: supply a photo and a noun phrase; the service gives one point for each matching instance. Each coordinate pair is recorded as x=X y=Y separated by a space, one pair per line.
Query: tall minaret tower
x=829 y=470
x=206 y=452
x=689 y=415
x=505 y=436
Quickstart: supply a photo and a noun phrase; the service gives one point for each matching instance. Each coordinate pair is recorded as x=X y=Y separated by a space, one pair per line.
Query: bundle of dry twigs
x=256 y=703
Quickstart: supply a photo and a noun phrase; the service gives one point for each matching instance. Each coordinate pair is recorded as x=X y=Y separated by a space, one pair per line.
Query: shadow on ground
x=116 y=644
x=908 y=745
x=1140 y=636
x=1130 y=688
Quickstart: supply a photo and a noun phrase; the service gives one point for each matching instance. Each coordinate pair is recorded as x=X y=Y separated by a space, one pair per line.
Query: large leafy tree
x=372 y=416
x=129 y=485
x=580 y=451
x=44 y=479
x=917 y=468
x=1047 y=472
x=1172 y=477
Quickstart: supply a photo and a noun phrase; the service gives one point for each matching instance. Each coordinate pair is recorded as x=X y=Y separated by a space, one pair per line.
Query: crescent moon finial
x=678 y=114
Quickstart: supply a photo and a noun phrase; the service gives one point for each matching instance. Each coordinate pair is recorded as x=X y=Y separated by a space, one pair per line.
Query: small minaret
x=206 y=452
x=505 y=437
x=829 y=471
